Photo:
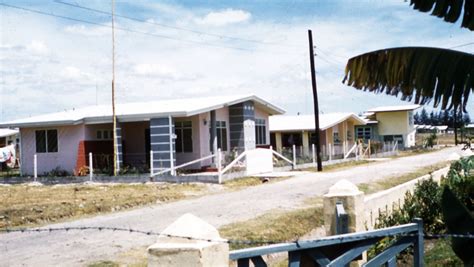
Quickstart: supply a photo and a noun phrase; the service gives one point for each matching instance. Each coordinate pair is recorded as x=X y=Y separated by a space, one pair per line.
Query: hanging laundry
x=8 y=155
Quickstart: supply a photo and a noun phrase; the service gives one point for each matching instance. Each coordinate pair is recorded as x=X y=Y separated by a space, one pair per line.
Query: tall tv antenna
x=114 y=119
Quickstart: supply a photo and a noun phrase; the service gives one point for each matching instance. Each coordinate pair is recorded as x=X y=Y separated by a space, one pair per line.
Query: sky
x=182 y=49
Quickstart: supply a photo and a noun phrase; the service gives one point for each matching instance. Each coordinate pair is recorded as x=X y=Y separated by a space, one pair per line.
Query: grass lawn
x=27 y=206
x=9 y=173
x=439 y=253
x=389 y=182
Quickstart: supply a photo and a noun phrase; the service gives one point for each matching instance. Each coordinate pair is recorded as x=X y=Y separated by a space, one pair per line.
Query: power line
x=174 y=27
x=461 y=45
x=124 y=29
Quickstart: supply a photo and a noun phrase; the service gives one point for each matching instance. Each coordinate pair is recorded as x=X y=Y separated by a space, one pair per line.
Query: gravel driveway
x=77 y=248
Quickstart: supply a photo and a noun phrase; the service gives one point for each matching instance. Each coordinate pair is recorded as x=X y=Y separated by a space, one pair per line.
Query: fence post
x=344 y=195
x=313 y=152
x=219 y=165
x=330 y=151
x=35 y=167
x=91 y=167
x=352 y=199
x=294 y=157
x=418 y=256
x=197 y=251
x=369 y=149
x=151 y=163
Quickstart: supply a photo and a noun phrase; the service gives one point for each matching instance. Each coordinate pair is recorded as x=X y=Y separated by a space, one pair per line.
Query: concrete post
x=91 y=167
x=219 y=165
x=313 y=152
x=35 y=166
x=170 y=250
x=151 y=163
x=330 y=151
x=353 y=201
x=294 y=157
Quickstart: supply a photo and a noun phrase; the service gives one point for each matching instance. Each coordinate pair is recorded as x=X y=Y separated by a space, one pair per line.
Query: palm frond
x=449 y=10
x=421 y=74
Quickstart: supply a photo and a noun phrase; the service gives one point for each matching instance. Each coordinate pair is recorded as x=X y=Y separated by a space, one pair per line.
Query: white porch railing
x=172 y=170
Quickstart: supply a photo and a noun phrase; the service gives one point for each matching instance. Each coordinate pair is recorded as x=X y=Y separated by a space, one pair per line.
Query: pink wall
x=90 y=130
x=65 y=158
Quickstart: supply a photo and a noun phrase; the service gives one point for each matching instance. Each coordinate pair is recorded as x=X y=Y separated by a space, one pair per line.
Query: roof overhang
x=259 y=103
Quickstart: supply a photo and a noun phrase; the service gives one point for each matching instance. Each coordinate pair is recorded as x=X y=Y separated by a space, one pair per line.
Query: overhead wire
x=461 y=45
x=174 y=27
x=131 y=30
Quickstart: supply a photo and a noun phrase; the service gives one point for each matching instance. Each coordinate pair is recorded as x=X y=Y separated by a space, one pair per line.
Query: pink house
x=177 y=131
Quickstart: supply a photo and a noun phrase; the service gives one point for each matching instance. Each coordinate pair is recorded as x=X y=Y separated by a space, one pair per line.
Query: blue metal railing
x=339 y=250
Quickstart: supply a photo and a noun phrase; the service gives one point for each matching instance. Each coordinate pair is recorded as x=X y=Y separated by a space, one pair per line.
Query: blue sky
x=202 y=48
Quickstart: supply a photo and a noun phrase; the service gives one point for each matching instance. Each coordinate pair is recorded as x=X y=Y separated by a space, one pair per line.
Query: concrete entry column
x=213 y=135
x=162 y=143
x=118 y=148
x=242 y=126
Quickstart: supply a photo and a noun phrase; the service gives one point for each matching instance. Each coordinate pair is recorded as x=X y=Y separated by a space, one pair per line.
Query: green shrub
x=425 y=203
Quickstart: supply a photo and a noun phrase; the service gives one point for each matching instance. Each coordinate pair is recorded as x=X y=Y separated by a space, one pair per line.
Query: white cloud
x=86 y=30
x=37 y=48
x=73 y=73
x=155 y=70
x=224 y=17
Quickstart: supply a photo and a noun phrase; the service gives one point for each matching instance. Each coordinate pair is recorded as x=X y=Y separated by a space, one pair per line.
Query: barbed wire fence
x=229 y=241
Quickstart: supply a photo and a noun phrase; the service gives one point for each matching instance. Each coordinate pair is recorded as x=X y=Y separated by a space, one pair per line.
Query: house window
x=290 y=139
x=410 y=118
x=349 y=135
x=104 y=134
x=184 y=136
x=260 y=132
x=336 y=138
x=364 y=133
x=46 y=141
x=221 y=135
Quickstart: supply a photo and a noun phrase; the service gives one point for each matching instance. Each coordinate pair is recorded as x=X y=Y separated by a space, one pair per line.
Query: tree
x=417 y=73
x=449 y=10
x=433 y=119
x=424 y=117
x=416 y=118
x=466 y=118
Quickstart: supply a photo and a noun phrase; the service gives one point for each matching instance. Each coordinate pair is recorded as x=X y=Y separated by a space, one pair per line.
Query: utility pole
x=114 y=119
x=315 y=100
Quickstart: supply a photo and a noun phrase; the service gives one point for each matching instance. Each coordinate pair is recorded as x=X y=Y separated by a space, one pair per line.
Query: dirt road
x=77 y=248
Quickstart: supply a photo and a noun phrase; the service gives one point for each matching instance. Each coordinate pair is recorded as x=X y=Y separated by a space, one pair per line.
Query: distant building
x=439 y=129
x=469 y=129
x=389 y=123
x=337 y=130
x=8 y=137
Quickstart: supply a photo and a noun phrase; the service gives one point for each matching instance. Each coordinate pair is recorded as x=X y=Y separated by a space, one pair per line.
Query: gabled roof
x=141 y=111
x=306 y=122
x=8 y=132
x=393 y=108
